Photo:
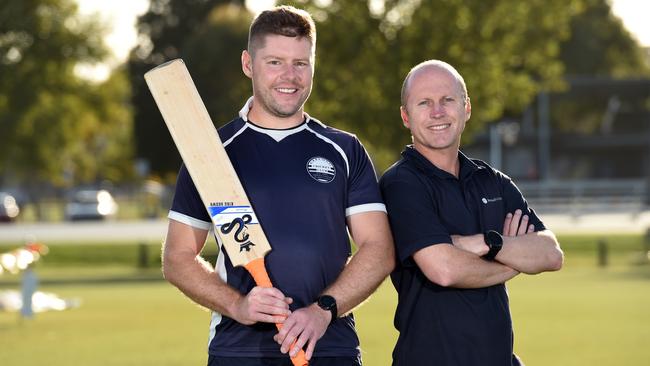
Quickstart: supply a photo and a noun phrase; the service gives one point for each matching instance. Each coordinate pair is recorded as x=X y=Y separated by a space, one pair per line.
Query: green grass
x=117 y=324
x=374 y=321
x=581 y=315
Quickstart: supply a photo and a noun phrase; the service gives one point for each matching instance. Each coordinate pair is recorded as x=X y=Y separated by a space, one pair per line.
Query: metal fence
x=587 y=196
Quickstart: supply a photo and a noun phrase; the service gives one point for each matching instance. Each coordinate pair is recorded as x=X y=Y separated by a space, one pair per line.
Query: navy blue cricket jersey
x=302 y=182
x=426 y=205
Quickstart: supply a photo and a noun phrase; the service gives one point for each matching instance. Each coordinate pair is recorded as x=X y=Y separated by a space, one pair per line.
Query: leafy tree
x=507 y=51
x=356 y=86
x=213 y=55
x=599 y=47
x=57 y=128
x=72 y=137
x=209 y=40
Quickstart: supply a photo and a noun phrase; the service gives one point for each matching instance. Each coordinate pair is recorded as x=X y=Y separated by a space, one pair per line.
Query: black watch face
x=494 y=239
x=326 y=302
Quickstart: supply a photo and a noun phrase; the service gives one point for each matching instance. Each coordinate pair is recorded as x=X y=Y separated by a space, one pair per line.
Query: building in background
x=586 y=146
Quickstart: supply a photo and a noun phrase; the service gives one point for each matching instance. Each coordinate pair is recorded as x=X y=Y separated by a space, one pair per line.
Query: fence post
x=143 y=256
x=646 y=246
x=602 y=253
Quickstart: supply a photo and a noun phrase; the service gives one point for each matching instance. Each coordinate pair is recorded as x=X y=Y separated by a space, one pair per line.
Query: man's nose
x=437 y=110
x=289 y=72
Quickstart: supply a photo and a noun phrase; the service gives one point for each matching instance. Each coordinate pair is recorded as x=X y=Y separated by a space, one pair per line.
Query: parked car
x=90 y=204
x=9 y=209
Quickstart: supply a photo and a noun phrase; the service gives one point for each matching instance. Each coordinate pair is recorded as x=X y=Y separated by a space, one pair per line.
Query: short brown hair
x=283 y=21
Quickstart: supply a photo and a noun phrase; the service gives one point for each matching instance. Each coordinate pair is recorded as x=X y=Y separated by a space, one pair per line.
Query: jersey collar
x=276 y=134
x=243 y=112
x=467 y=166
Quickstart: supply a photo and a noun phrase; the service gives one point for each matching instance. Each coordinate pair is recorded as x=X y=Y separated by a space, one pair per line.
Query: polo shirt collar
x=467 y=166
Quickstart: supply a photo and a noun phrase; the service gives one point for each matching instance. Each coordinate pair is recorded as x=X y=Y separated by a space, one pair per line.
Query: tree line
x=60 y=129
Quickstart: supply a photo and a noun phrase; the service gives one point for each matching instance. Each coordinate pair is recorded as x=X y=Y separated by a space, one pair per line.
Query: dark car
x=90 y=204
x=9 y=209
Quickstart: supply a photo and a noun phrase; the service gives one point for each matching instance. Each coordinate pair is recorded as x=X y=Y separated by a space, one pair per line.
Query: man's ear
x=405 y=117
x=468 y=109
x=247 y=63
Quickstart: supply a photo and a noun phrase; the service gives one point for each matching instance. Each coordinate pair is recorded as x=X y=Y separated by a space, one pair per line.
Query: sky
x=634 y=14
x=121 y=15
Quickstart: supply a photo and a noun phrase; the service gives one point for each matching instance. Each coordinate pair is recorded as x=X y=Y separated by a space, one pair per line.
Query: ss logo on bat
x=240 y=235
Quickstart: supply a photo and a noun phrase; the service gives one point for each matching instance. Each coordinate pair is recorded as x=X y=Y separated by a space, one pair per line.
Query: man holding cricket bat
x=462 y=229
x=309 y=184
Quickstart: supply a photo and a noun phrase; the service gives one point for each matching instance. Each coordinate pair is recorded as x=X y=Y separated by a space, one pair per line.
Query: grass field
x=581 y=315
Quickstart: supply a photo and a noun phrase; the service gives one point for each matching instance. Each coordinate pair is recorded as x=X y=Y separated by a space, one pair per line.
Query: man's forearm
x=531 y=253
x=195 y=278
x=478 y=273
x=374 y=260
x=362 y=275
x=450 y=266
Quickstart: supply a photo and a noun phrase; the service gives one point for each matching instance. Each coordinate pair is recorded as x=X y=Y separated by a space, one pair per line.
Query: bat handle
x=257 y=269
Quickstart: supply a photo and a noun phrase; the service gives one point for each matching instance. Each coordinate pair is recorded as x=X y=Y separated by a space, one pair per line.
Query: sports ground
x=585 y=314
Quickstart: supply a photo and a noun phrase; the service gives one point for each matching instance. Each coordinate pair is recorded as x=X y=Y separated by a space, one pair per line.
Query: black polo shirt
x=426 y=205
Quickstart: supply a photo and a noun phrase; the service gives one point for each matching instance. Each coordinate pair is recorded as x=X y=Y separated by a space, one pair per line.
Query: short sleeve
x=187 y=206
x=514 y=200
x=363 y=190
x=413 y=216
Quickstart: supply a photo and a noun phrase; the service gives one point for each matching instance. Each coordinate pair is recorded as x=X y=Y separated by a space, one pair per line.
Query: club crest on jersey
x=321 y=169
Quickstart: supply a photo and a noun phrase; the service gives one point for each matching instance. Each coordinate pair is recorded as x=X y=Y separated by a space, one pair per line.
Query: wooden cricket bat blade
x=206 y=160
x=205 y=157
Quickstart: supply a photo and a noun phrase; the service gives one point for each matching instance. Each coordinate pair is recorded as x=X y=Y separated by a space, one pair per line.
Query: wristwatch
x=327 y=302
x=494 y=241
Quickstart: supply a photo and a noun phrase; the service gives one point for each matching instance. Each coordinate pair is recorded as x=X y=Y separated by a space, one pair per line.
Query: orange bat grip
x=257 y=269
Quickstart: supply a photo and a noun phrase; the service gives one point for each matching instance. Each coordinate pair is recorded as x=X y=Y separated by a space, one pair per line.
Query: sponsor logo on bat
x=234 y=221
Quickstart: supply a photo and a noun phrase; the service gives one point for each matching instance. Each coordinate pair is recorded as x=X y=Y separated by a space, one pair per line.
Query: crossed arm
x=459 y=264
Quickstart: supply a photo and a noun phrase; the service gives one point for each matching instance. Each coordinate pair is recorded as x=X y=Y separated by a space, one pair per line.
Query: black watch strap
x=327 y=302
x=494 y=241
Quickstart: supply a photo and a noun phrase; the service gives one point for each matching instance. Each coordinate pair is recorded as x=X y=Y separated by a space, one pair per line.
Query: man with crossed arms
x=461 y=229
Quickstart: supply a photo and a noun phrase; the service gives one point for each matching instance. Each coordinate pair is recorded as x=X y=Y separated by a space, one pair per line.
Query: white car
x=90 y=204
x=9 y=209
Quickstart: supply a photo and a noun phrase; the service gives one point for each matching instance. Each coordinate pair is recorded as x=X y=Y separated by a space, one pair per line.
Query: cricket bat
x=198 y=142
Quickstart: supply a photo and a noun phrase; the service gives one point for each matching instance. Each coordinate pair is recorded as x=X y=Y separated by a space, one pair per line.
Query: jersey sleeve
x=514 y=200
x=363 y=190
x=413 y=217
x=187 y=206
